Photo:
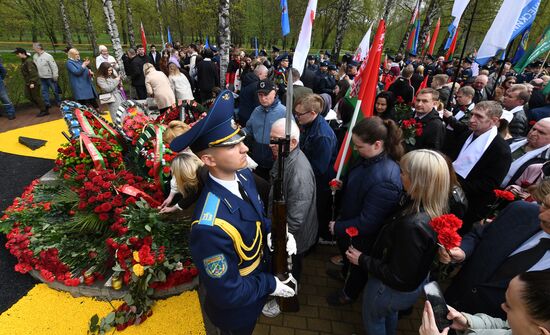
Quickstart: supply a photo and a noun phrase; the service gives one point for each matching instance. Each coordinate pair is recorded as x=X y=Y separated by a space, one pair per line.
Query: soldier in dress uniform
x=311 y=63
x=466 y=72
x=280 y=74
x=230 y=230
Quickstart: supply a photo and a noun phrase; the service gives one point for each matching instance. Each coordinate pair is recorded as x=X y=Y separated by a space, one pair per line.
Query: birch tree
x=224 y=37
x=341 y=27
x=67 y=36
x=130 y=21
x=90 y=27
x=161 y=25
x=113 y=33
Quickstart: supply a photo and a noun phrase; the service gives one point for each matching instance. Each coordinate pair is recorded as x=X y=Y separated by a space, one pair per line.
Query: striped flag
x=452 y=47
x=366 y=97
x=416 y=35
x=434 y=37
x=459 y=7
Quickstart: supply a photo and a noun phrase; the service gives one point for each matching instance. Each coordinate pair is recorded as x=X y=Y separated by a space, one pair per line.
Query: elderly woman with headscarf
x=80 y=77
x=158 y=87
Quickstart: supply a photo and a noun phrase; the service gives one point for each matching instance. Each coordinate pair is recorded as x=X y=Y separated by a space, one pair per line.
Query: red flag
x=434 y=37
x=424 y=83
x=426 y=43
x=411 y=39
x=367 y=92
x=143 y=39
x=451 y=50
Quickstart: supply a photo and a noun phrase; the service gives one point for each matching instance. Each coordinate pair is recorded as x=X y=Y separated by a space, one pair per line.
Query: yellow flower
x=136 y=256
x=138 y=270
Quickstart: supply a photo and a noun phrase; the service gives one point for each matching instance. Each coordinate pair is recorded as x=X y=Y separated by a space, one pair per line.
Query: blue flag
x=169 y=36
x=416 y=35
x=206 y=44
x=526 y=18
x=255 y=47
x=285 y=24
x=522 y=46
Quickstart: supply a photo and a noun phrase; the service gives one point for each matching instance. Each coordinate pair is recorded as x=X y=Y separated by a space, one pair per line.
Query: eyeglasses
x=298 y=115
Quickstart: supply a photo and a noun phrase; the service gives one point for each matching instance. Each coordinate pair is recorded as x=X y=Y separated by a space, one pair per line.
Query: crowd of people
x=474 y=130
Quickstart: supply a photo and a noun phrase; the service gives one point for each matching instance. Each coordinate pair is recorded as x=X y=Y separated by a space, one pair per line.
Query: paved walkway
x=316 y=317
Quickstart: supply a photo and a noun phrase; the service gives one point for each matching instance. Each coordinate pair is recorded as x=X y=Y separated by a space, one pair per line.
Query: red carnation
x=506 y=195
x=446 y=227
x=352 y=231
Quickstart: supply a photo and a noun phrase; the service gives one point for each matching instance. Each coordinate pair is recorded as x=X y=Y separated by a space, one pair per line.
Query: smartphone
x=435 y=296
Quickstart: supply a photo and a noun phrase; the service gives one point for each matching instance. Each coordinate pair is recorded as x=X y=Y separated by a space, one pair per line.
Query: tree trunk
x=161 y=25
x=130 y=18
x=224 y=36
x=90 y=27
x=341 y=27
x=113 y=33
x=67 y=36
x=389 y=6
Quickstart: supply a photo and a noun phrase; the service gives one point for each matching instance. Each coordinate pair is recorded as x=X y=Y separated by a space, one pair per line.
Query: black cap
x=332 y=67
x=265 y=86
x=275 y=49
x=19 y=51
x=262 y=53
x=310 y=57
x=324 y=63
x=327 y=53
x=282 y=57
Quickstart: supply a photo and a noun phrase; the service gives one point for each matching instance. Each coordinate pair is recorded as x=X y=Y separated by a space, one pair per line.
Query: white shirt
x=543 y=263
x=231 y=185
x=516 y=109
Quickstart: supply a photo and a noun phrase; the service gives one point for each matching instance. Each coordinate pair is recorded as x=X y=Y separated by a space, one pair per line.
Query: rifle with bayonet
x=282 y=262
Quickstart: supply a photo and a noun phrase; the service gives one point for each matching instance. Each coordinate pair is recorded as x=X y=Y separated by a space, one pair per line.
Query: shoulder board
x=209 y=210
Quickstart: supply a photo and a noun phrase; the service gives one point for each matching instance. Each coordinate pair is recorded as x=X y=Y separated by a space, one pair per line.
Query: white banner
x=304 y=39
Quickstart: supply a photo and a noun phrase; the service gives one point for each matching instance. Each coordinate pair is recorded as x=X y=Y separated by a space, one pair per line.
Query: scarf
x=472 y=150
x=517 y=164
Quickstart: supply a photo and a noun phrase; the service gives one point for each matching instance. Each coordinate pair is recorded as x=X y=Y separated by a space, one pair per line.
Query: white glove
x=291 y=247
x=283 y=290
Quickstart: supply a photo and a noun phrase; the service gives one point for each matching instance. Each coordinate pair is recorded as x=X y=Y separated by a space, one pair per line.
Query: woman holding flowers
x=400 y=259
x=371 y=191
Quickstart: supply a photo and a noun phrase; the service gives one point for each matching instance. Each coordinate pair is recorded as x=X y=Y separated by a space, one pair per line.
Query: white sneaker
x=271 y=309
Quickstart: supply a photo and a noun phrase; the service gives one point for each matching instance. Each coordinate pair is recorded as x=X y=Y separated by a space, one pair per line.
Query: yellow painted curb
x=47 y=311
x=49 y=131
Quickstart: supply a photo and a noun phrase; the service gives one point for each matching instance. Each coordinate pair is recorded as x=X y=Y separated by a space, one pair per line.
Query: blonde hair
x=148 y=67
x=429 y=181
x=173 y=69
x=540 y=191
x=311 y=102
x=185 y=167
x=175 y=128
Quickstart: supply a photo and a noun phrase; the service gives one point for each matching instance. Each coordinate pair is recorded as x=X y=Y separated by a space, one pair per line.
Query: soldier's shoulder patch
x=215 y=266
x=209 y=210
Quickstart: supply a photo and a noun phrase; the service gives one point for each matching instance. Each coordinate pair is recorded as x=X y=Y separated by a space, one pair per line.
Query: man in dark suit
x=433 y=129
x=154 y=57
x=481 y=159
x=490 y=252
x=480 y=87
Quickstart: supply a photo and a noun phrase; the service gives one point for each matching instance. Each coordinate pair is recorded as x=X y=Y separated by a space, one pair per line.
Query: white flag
x=363 y=48
x=458 y=9
x=304 y=40
x=501 y=30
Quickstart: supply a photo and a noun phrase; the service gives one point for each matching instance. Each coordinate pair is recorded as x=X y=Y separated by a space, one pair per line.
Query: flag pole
x=544 y=62
x=448 y=105
x=348 y=138
x=502 y=67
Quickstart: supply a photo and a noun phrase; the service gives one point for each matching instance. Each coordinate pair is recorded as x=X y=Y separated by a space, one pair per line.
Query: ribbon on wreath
x=105 y=125
x=97 y=158
x=156 y=131
x=83 y=121
x=137 y=193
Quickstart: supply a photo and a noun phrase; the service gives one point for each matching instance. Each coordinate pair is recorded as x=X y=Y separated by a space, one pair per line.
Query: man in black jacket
x=154 y=57
x=136 y=74
x=433 y=129
x=401 y=87
x=481 y=160
x=248 y=98
x=207 y=75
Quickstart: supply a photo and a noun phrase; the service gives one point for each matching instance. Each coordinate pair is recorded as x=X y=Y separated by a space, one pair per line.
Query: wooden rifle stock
x=282 y=262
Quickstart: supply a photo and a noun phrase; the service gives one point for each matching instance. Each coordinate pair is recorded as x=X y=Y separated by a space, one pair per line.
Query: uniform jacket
x=300 y=196
x=29 y=72
x=403 y=252
x=486 y=248
x=485 y=176
x=46 y=65
x=235 y=279
x=371 y=192
x=81 y=83
x=258 y=129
